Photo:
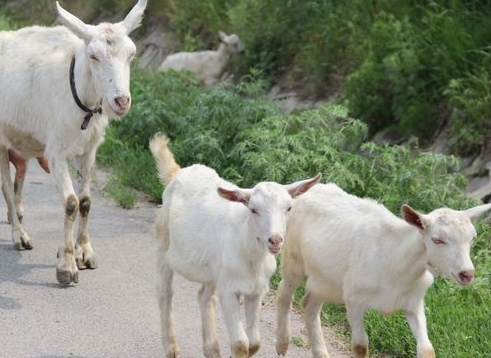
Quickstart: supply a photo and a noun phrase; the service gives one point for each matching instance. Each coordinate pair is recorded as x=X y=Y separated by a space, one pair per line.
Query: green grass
x=122 y=194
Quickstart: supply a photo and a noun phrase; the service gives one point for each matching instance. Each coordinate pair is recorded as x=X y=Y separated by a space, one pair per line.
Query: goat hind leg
x=19 y=237
x=20 y=165
x=164 y=296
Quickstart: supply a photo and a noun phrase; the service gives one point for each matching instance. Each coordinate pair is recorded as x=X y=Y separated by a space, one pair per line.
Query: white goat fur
x=36 y=102
x=225 y=238
x=208 y=66
x=355 y=251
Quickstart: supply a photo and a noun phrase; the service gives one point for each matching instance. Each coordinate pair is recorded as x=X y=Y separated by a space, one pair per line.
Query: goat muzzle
x=275 y=244
x=123 y=103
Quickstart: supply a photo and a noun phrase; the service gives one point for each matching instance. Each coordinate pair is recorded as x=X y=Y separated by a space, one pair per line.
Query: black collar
x=90 y=112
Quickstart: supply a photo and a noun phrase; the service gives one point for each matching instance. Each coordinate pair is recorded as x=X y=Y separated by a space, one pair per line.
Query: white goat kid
x=225 y=238
x=60 y=85
x=355 y=251
x=208 y=66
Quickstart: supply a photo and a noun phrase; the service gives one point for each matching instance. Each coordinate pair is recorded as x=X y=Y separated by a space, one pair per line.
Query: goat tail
x=167 y=167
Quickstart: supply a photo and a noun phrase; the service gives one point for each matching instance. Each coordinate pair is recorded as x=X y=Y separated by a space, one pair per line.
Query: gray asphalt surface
x=112 y=311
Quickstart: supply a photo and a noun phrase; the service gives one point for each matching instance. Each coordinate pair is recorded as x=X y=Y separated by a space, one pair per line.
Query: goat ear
x=239 y=195
x=222 y=35
x=475 y=212
x=300 y=187
x=77 y=26
x=134 y=17
x=413 y=217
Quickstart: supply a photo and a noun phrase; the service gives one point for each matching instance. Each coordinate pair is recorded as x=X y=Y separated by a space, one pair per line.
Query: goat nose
x=275 y=240
x=466 y=276
x=123 y=102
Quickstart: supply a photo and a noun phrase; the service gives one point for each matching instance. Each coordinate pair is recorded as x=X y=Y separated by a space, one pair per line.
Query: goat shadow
x=68 y=356
x=12 y=270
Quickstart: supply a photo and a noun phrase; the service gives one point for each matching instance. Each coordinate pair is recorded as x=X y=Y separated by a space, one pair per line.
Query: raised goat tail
x=167 y=167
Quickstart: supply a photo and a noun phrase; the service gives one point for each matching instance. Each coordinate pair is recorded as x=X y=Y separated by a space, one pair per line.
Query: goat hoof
x=173 y=354
x=282 y=347
x=85 y=257
x=90 y=263
x=23 y=245
x=19 y=246
x=65 y=277
x=212 y=350
x=27 y=244
x=360 y=351
x=253 y=348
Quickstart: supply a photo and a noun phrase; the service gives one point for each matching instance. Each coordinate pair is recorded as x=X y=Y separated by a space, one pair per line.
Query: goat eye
x=94 y=57
x=438 y=241
x=289 y=209
x=254 y=211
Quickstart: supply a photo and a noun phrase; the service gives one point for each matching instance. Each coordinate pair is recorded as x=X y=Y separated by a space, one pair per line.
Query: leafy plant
x=124 y=196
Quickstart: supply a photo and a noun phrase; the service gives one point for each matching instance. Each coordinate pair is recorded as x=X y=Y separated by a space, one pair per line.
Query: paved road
x=112 y=311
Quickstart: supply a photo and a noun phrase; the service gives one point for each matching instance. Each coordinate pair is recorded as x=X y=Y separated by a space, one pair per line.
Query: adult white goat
x=208 y=66
x=225 y=238
x=355 y=251
x=59 y=86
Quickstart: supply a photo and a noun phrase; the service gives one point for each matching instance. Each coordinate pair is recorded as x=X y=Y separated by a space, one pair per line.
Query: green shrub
x=470 y=100
x=413 y=71
x=315 y=41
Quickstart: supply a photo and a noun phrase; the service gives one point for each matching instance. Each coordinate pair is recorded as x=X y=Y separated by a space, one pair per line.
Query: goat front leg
x=312 y=306
x=207 y=303
x=359 y=337
x=66 y=268
x=239 y=343
x=19 y=237
x=417 y=322
x=85 y=257
x=252 y=306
